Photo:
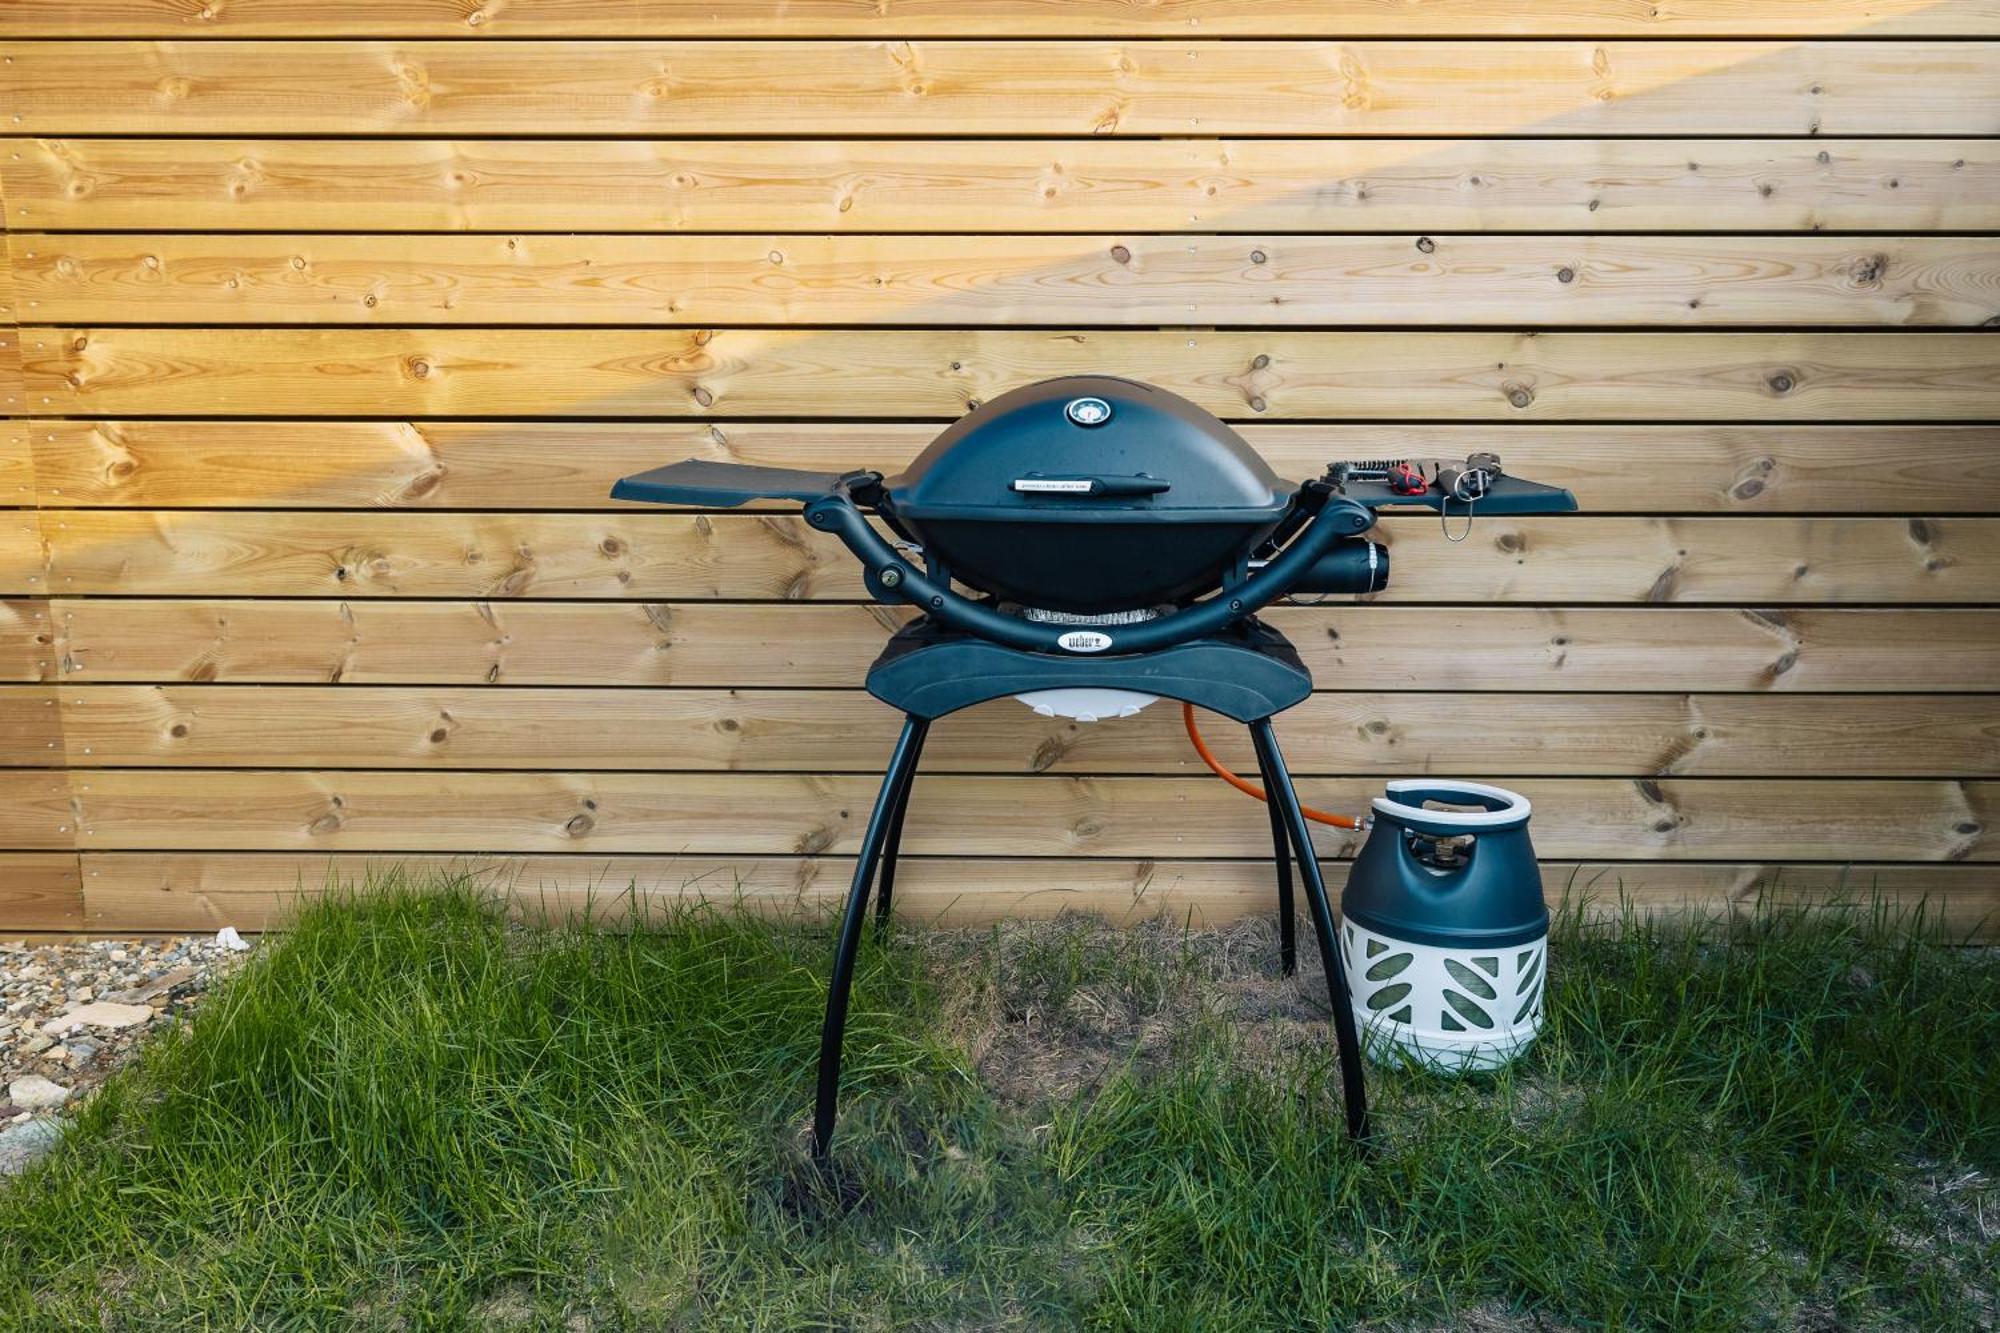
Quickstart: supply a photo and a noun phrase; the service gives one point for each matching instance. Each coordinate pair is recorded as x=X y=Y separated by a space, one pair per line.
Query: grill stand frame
x=1249 y=674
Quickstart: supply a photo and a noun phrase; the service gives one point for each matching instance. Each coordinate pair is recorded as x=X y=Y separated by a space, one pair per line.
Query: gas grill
x=1091 y=544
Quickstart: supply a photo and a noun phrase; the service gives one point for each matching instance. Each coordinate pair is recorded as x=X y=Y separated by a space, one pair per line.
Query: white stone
x=102 y=1014
x=22 y=1143
x=230 y=940
x=35 y=1093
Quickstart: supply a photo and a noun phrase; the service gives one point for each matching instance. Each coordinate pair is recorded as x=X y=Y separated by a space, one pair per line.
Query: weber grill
x=1091 y=544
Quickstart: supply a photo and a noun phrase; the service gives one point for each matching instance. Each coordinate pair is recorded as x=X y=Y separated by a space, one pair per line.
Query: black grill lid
x=1089 y=448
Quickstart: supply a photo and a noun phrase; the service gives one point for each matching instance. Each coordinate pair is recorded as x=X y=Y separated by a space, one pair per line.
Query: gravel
x=72 y=1013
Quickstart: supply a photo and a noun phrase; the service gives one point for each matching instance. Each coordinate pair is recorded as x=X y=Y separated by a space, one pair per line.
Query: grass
x=407 y=1114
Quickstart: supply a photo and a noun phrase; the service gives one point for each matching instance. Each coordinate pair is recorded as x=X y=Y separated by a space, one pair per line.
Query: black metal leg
x=886 y=885
x=1278 y=787
x=1281 y=852
x=901 y=763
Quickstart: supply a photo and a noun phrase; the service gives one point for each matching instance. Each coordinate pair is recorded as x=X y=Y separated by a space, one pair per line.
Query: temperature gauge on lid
x=1087 y=411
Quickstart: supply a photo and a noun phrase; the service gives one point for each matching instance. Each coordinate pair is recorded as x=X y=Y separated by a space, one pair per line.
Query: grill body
x=1139 y=500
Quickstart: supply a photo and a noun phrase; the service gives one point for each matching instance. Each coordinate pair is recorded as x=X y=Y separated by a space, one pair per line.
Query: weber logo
x=1085 y=641
x=1060 y=485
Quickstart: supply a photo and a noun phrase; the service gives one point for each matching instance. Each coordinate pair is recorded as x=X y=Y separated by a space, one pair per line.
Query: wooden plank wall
x=329 y=326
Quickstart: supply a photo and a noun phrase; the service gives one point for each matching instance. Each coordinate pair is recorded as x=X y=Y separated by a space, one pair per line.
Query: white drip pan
x=1086 y=704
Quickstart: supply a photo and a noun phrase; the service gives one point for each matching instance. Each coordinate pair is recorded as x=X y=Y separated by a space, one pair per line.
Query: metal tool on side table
x=1116 y=542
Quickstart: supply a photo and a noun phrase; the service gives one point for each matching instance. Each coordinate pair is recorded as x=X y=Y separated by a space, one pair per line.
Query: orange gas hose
x=1250 y=788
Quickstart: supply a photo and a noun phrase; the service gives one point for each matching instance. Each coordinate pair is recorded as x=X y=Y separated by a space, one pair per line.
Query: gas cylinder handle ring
x=1503 y=808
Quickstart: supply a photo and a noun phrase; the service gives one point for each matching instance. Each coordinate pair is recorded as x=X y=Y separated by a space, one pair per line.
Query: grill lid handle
x=1139 y=484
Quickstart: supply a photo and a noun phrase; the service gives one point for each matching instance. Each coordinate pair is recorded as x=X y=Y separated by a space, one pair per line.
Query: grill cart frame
x=1249 y=674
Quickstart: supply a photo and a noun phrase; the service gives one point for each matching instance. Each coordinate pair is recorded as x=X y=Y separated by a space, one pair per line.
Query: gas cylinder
x=1443 y=928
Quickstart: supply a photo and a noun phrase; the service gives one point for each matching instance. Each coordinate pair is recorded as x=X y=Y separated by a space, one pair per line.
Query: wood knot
x=1565 y=274
x=1519 y=395
x=1258 y=257
x=611 y=546
x=1426 y=245
x=1782 y=382
x=1121 y=254
x=178 y=731
x=1260 y=362
x=420 y=369
x=579 y=826
x=1510 y=542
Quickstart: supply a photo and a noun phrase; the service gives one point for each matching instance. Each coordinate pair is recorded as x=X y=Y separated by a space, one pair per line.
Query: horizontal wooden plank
x=30 y=728
x=1623 y=735
x=753 y=814
x=13 y=390
x=979 y=185
x=27 y=641
x=571 y=466
x=40 y=891
x=35 y=811
x=664 y=555
x=877 y=373
x=986 y=18
x=17 y=457
x=202 y=891
x=1353 y=646
x=996 y=281
x=1087 y=87
x=23 y=557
